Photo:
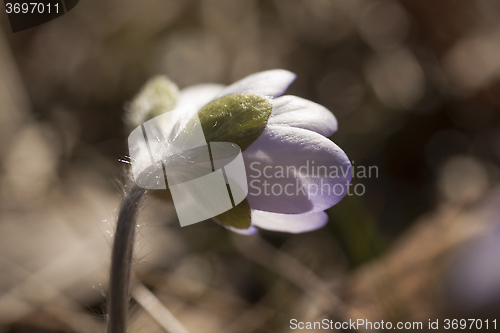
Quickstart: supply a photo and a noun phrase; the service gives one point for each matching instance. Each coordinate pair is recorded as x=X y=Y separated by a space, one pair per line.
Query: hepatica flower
x=294 y=172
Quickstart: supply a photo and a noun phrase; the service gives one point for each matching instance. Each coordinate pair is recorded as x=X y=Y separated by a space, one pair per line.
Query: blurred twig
x=263 y=253
x=21 y=301
x=156 y=310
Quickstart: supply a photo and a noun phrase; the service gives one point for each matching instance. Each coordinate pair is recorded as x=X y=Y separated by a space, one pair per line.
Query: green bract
x=237 y=217
x=239 y=119
x=157 y=96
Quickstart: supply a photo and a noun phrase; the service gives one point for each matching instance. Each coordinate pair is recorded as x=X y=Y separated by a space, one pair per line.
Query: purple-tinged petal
x=302 y=113
x=198 y=95
x=292 y=223
x=474 y=277
x=271 y=83
x=293 y=171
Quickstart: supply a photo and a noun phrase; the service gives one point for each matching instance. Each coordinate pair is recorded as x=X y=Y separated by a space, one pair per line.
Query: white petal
x=247 y=232
x=293 y=171
x=298 y=112
x=198 y=95
x=250 y=231
x=293 y=223
x=271 y=83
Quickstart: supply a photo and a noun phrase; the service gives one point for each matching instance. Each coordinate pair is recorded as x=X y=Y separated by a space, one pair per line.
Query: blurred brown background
x=414 y=84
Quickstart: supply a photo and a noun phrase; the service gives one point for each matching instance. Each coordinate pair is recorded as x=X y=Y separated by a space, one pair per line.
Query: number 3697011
x=31 y=8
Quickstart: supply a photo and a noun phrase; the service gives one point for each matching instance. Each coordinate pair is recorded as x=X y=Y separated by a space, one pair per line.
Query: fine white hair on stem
x=121 y=258
x=121 y=270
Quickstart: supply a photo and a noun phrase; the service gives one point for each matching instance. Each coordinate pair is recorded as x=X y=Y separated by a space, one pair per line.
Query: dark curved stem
x=121 y=259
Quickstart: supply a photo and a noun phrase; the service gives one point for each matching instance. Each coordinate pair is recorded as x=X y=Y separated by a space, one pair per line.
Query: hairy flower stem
x=121 y=258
